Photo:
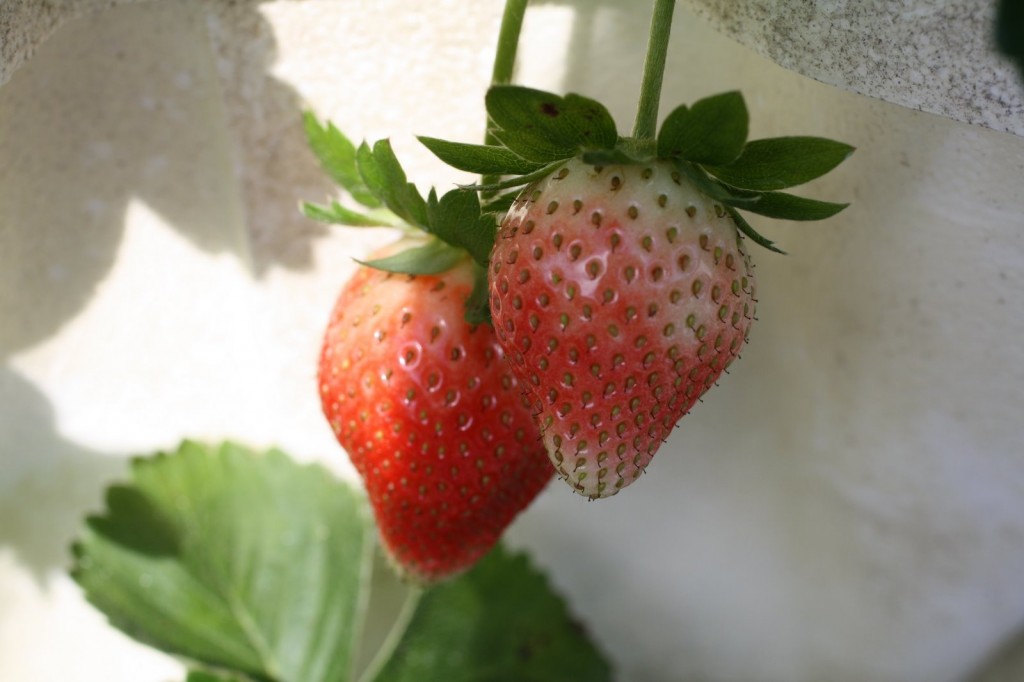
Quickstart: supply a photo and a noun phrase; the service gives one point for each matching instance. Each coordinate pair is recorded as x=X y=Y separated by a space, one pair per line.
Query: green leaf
x=478 y=158
x=789 y=207
x=400 y=195
x=608 y=157
x=500 y=622
x=456 y=219
x=384 y=176
x=430 y=259
x=501 y=203
x=595 y=127
x=237 y=560
x=337 y=155
x=517 y=181
x=204 y=676
x=339 y=215
x=713 y=131
x=478 y=305
x=781 y=162
x=749 y=231
x=544 y=127
x=712 y=187
x=254 y=568
x=369 y=170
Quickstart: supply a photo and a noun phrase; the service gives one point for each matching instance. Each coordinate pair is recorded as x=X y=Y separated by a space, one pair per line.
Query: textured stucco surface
x=933 y=55
x=847 y=505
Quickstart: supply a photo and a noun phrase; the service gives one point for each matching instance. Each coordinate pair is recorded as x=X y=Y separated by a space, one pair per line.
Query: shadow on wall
x=627 y=24
x=167 y=103
x=48 y=483
x=1006 y=664
x=170 y=104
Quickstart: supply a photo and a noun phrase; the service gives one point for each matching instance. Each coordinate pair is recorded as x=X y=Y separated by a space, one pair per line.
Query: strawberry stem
x=508 y=41
x=394 y=636
x=504 y=62
x=646 y=124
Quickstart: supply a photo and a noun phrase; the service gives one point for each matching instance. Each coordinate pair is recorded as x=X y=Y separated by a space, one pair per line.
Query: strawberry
x=411 y=376
x=620 y=287
x=620 y=295
x=431 y=417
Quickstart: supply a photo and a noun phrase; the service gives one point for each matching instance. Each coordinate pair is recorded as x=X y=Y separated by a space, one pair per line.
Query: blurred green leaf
x=204 y=676
x=339 y=215
x=500 y=622
x=236 y=560
x=257 y=569
x=431 y=258
x=337 y=155
x=385 y=177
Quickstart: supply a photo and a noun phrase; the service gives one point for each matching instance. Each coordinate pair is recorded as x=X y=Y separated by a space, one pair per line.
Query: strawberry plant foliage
x=251 y=567
x=453 y=224
x=489 y=632
x=706 y=141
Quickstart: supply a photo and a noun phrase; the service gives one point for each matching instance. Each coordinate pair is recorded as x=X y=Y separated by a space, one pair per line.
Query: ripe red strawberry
x=620 y=295
x=431 y=417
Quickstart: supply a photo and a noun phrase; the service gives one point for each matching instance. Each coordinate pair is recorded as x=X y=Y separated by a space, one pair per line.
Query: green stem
x=646 y=125
x=508 y=41
x=505 y=59
x=394 y=636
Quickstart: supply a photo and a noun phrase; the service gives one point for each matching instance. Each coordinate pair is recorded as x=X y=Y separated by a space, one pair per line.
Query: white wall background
x=847 y=505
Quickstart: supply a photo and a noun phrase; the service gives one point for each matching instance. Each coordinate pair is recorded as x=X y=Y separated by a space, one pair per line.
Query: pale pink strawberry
x=619 y=294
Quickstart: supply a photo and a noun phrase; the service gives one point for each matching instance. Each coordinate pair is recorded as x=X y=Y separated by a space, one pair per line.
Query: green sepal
x=478 y=158
x=456 y=219
x=781 y=162
x=789 y=207
x=518 y=181
x=711 y=187
x=623 y=153
x=337 y=156
x=339 y=215
x=749 y=231
x=712 y=131
x=383 y=174
x=501 y=203
x=432 y=258
x=478 y=309
x=544 y=127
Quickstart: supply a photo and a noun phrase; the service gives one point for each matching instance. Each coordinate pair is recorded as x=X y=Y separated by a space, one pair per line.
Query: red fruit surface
x=431 y=416
x=620 y=294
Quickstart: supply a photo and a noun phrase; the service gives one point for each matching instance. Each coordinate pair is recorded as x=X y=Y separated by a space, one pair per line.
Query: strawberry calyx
x=455 y=225
x=537 y=132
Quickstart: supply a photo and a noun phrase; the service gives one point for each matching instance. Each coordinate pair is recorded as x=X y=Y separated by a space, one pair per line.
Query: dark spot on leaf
x=549 y=109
